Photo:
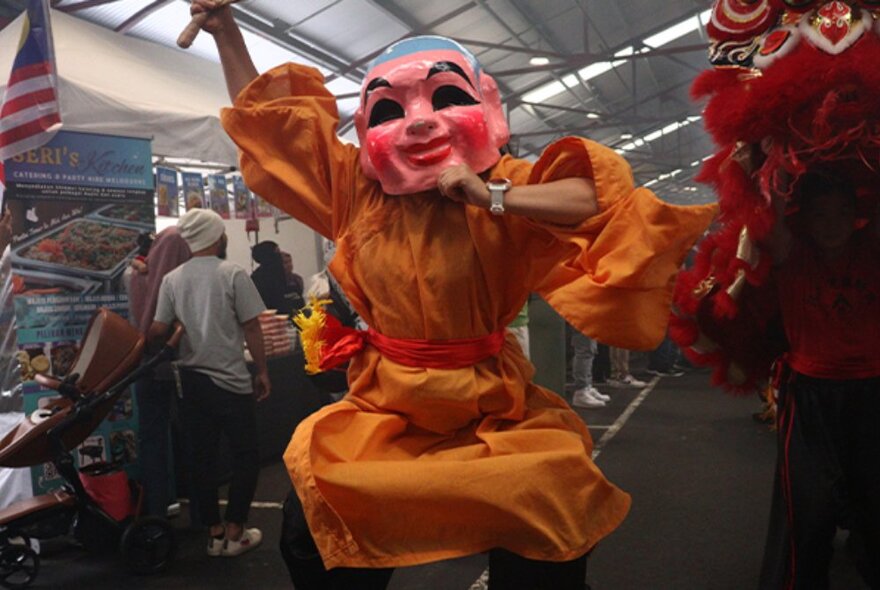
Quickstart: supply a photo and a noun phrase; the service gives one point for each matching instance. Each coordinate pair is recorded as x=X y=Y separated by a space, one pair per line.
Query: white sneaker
x=250 y=539
x=631 y=381
x=625 y=381
x=215 y=546
x=584 y=398
x=599 y=395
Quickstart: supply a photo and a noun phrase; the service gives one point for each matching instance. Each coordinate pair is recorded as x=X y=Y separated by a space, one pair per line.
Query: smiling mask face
x=425 y=106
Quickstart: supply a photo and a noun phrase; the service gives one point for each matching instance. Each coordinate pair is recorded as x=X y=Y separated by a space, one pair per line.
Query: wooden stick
x=188 y=35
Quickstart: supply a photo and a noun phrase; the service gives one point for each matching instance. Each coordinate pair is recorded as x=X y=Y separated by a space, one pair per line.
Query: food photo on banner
x=193 y=190
x=167 y=193
x=264 y=208
x=218 y=195
x=79 y=205
x=242 y=198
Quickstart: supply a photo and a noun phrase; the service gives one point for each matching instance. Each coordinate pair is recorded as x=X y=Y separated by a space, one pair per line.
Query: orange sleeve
x=613 y=275
x=284 y=124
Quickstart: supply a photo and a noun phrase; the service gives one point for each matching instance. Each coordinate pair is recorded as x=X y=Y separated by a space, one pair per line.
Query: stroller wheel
x=148 y=545
x=18 y=566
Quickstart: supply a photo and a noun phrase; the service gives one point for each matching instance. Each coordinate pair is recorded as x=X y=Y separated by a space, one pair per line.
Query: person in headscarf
x=271 y=279
x=155 y=392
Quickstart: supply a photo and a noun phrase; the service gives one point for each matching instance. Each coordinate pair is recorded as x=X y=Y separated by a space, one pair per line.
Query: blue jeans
x=664 y=357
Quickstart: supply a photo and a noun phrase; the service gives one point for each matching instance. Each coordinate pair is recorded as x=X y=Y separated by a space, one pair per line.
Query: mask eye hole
x=451 y=96
x=383 y=111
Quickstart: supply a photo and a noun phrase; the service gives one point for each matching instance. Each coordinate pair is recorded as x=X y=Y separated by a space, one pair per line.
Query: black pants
x=209 y=410
x=828 y=475
x=507 y=571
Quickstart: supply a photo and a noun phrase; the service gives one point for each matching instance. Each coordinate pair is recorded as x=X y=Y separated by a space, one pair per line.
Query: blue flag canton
x=35 y=47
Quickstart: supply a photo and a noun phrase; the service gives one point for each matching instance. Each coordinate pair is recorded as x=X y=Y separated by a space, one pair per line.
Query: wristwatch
x=497 y=187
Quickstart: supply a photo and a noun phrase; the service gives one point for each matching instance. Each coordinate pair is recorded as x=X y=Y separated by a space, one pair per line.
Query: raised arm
x=238 y=67
x=569 y=201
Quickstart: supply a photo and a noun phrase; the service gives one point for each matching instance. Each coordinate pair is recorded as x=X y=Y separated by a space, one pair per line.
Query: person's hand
x=218 y=18
x=5 y=229
x=262 y=385
x=461 y=184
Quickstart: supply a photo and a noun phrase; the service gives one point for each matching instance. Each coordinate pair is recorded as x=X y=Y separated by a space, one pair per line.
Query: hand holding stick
x=188 y=35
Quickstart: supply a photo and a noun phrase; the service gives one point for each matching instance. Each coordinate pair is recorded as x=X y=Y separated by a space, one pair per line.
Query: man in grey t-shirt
x=219 y=307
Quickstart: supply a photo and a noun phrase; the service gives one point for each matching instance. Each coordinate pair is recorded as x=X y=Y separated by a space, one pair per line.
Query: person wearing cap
x=219 y=307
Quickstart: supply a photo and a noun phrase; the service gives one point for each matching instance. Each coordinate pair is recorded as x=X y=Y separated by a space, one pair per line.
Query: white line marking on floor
x=621 y=420
x=482 y=583
x=272 y=505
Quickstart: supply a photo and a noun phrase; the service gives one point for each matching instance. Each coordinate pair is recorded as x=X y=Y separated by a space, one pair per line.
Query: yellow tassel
x=311 y=328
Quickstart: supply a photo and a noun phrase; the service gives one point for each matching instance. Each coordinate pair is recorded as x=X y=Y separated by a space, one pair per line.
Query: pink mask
x=424 y=108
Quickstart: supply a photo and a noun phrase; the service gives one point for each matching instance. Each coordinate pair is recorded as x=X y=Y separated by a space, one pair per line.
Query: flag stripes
x=30 y=114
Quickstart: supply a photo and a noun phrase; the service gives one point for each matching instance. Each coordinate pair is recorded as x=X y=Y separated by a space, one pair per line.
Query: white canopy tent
x=119 y=85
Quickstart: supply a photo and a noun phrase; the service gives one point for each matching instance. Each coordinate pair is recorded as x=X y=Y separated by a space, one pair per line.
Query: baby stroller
x=108 y=361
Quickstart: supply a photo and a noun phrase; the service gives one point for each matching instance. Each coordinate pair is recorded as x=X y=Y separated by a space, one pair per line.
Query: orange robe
x=414 y=464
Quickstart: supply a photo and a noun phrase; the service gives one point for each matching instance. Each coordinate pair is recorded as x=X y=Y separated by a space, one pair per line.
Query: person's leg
x=239 y=422
x=509 y=571
x=662 y=359
x=601 y=364
x=618 y=363
x=197 y=408
x=582 y=361
x=800 y=548
x=298 y=548
x=859 y=424
x=154 y=407
x=304 y=563
x=623 y=361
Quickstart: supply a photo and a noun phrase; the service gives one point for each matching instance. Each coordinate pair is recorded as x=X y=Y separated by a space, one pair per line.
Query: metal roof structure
x=616 y=71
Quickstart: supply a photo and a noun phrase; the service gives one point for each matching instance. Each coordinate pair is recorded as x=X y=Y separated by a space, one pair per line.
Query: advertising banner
x=167 y=194
x=193 y=190
x=218 y=195
x=264 y=208
x=81 y=206
x=243 y=199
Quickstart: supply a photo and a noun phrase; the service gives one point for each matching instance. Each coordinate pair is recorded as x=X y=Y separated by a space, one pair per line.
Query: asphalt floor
x=699 y=468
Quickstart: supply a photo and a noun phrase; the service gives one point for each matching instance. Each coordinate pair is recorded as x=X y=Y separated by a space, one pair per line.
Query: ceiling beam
x=140 y=15
x=71 y=8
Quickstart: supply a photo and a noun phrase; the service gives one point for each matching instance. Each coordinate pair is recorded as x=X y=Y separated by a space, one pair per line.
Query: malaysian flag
x=30 y=115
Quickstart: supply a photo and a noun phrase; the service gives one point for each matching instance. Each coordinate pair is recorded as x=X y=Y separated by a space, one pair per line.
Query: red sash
x=342 y=343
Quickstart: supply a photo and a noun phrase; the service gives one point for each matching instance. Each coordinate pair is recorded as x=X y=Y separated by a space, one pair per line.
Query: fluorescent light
x=626 y=136
x=677 y=31
x=544 y=92
x=539 y=60
x=656 y=134
x=594 y=116
x=660 y=39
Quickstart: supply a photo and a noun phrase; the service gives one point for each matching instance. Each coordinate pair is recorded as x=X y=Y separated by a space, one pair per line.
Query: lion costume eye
x=385 y=110
x=451 y=96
